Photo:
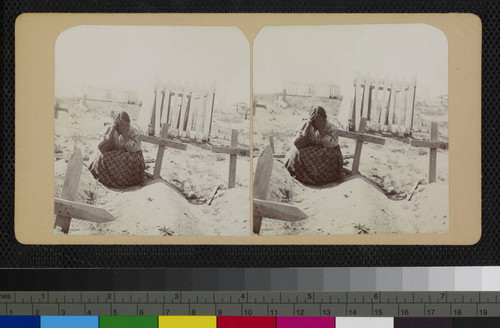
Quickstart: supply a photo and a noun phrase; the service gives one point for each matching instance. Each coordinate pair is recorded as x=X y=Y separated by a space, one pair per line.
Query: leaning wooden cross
x=65 y=208
x=162 y=143
x=360 y=137
x=268 y=209
x=434 y=144
x=233 y=151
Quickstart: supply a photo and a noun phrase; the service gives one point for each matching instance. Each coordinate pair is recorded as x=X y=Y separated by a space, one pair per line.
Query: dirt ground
x=177 y=204
x=391 y=196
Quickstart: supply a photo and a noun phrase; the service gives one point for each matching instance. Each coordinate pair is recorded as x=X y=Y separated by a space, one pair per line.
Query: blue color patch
x=69 y=321
x=19 y=321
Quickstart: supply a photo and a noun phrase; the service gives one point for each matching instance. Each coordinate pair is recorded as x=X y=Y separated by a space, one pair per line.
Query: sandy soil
x=391 y=196
x=175 y=205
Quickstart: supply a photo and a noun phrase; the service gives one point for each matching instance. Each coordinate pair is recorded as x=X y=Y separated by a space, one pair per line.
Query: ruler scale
x=243 y=303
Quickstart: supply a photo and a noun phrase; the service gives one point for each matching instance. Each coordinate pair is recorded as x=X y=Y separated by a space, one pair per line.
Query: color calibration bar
x=242 y=322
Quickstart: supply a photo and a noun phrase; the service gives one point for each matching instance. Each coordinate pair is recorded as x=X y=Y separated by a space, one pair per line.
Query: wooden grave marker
x=233 y=151
x=70 y=187
x=360 y=137
x=162 y=143
x=65 y=208
x=81 y=211
x=269 y=209
x=271 y=143
x=434 y=145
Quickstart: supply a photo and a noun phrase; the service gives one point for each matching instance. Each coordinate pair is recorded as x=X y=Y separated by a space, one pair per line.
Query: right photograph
x=350 y=130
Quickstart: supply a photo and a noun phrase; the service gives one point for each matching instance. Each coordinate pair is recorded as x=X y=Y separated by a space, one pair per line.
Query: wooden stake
x=261 y=182
x=433 y=153
x=359 y=146
x=159 y=154
x=232 y=160
x=70 y=187
x=56 y=109
x=271 y=143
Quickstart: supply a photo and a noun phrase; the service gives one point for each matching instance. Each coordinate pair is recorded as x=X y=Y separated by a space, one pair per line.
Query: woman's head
x=317 y=115
x=122 y=122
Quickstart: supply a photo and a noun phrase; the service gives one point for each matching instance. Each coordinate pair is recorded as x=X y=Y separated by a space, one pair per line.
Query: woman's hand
x=327 y=142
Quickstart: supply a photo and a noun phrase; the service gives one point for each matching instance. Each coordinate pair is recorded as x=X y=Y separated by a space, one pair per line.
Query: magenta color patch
x=305 y=322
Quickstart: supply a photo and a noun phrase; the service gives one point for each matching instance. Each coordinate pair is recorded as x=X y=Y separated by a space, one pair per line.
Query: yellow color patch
x=187 y=322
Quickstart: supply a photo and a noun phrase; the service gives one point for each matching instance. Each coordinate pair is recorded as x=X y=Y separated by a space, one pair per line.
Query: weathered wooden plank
x=174 y=109
x=403 y=101
x=230 y=151
x=203 y=114
x=361 y=137
x=433 y=153
x=182 y=111
x=163 y=142
x=392 y=104
x=192 y=114
x=81 y=211
x=429 y=144
x=232 y=160
x=70 y=187
x=366 y=99
x=153 y=115
x=261 y=182
x=358 y=100
x=277 y=211
x=413 y=104
x=409 y=108
x=375 y=112
x=159 y=154
x=162 y=106
x=207 y=132
x=384 y=110
x=158 y=104
x=359 y=146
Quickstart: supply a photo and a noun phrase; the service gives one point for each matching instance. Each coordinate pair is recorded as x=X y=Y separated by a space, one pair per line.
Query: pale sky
x=335 y=53
x=131 y=56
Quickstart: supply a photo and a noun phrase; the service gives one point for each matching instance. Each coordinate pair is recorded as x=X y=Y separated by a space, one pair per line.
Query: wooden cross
x=360 y=137
x=233 y=151
x=434 y=144
x=65 y=208
x=162 y=143
x=263 y=208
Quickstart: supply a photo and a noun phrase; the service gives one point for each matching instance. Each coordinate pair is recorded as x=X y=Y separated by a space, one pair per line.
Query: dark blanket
x=119 y=168
x=315 y=164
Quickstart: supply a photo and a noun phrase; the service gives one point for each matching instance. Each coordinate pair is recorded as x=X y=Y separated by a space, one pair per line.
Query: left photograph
x=152 y=131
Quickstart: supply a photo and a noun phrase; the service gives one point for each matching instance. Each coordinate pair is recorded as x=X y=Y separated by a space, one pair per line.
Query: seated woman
x=120 y=162
x=315 y=158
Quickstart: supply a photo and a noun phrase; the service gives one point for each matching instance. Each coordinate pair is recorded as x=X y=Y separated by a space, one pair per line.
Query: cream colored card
x=208 y=75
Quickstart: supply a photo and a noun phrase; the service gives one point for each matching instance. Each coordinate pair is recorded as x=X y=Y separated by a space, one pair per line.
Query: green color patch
x=128 y=322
